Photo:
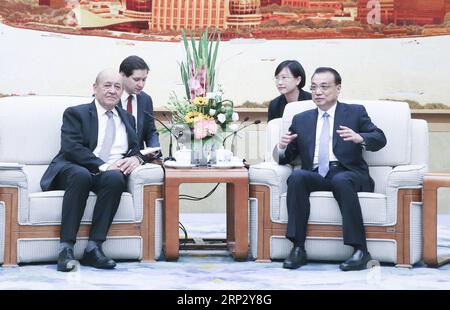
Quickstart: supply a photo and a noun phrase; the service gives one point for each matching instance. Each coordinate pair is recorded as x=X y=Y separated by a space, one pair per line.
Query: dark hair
x=337 y=76
x=132 y=63
x=296 y=69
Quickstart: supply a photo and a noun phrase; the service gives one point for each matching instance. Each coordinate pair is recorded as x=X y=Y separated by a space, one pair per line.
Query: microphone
x=165 y=116
x=243 y=121
x=170 y=157
x=234 y=133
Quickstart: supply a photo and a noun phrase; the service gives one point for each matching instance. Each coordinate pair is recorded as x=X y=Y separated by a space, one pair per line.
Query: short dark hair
x=132 y=63
x=296 y=69
x=337 y=76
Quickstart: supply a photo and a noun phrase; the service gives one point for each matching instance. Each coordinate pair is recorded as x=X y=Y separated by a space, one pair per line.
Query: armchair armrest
x=407 y=176
x=148 y=174
x=270 y=173
x=13 y=176
x=274 y=176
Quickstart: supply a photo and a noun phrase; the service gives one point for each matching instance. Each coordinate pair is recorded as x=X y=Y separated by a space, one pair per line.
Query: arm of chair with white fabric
x=408 y=177
x=272 y=138
x=404 y=210
x=268 y=181
x=145 y=184
x=404 y=195
x=13 y=193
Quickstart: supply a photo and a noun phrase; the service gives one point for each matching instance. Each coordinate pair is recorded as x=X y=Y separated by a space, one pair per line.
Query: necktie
x=110 y=136
x=324 y=158
x=129 y=105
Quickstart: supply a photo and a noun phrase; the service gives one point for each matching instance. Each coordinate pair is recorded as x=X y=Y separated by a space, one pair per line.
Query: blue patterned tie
x=324 y=157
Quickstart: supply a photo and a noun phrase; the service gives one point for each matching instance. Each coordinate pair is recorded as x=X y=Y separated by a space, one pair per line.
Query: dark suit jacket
x=349 y=154
x=79 y=133
x=146 y=129
x=277 y=105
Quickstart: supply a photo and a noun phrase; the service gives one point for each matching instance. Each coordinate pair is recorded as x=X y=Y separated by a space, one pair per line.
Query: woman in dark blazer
x=289 y=78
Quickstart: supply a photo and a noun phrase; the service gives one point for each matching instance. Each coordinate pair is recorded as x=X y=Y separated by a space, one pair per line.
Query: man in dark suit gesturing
x=329 y=141
x=99 y=149
x=134 y=71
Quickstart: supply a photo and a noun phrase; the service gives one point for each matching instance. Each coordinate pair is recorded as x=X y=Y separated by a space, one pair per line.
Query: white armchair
x=391 y=215
x=30 y=129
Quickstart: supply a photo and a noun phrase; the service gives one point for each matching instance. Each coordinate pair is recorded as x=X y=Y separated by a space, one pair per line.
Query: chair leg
x=10 y=196
x=262 y=194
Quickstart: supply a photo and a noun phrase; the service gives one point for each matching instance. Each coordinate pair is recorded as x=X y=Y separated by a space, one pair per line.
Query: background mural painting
x=386 y=49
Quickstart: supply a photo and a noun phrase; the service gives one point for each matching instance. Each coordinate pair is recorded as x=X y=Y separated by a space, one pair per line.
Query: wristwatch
x=141 y=161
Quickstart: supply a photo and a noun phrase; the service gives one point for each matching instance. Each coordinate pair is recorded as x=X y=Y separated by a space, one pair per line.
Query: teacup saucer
x=176 y=164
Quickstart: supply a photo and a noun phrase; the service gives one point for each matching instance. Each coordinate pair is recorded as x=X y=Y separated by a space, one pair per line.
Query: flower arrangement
x=203 y=109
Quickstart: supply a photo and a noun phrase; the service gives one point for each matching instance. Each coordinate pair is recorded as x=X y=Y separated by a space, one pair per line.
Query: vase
x=203 y=152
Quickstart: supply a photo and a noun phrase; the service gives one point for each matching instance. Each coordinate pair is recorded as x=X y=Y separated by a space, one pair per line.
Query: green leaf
x=213 y=62
x=185 y=78
x=194 y=51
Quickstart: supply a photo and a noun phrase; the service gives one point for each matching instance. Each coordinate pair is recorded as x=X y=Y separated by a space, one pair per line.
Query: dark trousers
x=77 y=181
x=344 y=184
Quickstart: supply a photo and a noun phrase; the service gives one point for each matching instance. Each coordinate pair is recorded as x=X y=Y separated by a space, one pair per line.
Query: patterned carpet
x=216 y=270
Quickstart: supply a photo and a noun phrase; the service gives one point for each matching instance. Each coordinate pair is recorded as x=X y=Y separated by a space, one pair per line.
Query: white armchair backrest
x=419 y=142
x=30 y=127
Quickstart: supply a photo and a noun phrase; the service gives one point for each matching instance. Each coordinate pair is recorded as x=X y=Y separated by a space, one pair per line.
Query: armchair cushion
x=325 y=210
x=45 y=208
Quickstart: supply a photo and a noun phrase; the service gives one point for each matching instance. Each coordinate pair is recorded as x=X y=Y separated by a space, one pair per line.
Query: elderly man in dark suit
x=99 y=149
x=329 y=141
x=134 y=71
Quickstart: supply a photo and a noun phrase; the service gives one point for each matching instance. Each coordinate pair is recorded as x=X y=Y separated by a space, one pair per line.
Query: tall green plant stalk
x=201 y=56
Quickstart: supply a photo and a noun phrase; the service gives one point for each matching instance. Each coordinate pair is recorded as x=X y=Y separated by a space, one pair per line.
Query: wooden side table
x=431 y=183
x=237 y=206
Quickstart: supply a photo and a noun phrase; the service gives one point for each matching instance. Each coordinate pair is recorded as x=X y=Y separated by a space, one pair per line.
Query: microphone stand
x=234 y=134
x=235 y=131
x=170 y=157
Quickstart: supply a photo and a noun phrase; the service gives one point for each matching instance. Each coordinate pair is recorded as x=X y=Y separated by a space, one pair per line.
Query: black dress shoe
x=97 y=259
x=358 y=261
x=296 y=258
x=67 y=261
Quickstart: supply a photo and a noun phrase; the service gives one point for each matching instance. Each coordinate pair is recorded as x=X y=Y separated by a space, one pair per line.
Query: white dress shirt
x=331 y=112
x=124 y=100
x=120 y=145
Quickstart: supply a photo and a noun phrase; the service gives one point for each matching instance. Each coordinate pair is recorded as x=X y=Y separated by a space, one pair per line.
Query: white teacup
x=223 y=155
x=235 y=159
x=183 y=156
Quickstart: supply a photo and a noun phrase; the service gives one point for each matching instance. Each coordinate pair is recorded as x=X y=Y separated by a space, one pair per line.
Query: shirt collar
x=125 y=96
x=331 y=111
x=101 y=110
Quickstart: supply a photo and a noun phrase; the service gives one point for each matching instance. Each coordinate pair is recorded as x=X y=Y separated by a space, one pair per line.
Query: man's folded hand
x=127 y=165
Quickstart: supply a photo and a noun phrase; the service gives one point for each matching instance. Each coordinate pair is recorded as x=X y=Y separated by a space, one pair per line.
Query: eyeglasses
x=322 y=87
x=282 y=78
